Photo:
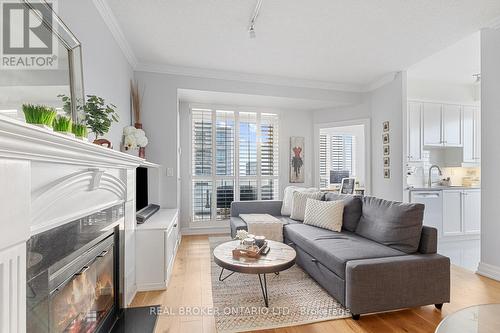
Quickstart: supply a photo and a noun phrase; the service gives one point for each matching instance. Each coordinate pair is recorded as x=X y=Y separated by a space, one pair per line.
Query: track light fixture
x=253 y=19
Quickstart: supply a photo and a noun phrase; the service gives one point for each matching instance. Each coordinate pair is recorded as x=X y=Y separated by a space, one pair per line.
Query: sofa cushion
x=333 y=249
x=299 y=203
x=352 y=209
x=286 y=208
x=324 y=214
x=394 y=224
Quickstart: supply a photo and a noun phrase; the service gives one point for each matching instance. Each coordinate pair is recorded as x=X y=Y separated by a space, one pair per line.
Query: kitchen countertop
x=441 y=188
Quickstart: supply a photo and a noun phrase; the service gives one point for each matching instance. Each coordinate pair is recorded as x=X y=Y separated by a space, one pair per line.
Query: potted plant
x=62 y=124
x=98 y=117
x=80 y=131
x=39 y=115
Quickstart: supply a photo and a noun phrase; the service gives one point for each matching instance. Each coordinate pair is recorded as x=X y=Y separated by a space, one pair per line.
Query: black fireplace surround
x=73 y=276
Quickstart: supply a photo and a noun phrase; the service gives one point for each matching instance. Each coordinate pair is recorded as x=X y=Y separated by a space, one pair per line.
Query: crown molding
x=113 y=25
x=246 y=77
x=494 y=24
x=386 y=79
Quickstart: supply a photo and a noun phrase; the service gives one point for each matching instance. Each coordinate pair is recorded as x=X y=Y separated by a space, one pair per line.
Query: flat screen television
x=141 y=188
x=337 y=176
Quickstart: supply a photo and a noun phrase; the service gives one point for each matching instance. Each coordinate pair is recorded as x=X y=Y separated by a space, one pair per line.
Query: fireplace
x=73 y=275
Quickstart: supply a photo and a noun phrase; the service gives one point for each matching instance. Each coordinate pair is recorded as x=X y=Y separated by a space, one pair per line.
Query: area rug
x=294 y=299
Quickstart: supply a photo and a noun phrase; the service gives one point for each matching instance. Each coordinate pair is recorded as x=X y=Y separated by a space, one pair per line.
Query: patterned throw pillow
x=324 y=214
x=299 y=203
x=286 y=207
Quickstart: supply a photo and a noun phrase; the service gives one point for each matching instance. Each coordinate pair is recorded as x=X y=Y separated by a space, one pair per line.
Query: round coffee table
x=475 y=319
x=279 y=258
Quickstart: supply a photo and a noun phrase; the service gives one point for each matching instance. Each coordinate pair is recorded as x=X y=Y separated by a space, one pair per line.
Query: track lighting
x=253 y=19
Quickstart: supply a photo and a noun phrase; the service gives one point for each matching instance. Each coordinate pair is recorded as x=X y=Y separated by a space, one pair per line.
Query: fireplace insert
x=73 y=275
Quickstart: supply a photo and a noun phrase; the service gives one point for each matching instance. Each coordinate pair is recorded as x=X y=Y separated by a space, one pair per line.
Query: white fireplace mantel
x=48 y=179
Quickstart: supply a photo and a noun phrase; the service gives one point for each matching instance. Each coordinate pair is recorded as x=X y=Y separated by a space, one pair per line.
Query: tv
x=141 y=188
x=144 y=209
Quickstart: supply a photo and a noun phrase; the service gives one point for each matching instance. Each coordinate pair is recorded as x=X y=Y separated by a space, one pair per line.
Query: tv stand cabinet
x=157 y=241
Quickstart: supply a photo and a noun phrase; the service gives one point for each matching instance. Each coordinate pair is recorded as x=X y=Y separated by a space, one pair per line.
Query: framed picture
x=347 y=186
x=296 y=159
x=385 y=126
x=387 y=150
x=387 y=162
x=385 y=138
x=387 y=173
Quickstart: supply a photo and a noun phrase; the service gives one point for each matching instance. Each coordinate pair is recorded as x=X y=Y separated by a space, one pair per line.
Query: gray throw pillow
x=394 y=224
x=352 y=209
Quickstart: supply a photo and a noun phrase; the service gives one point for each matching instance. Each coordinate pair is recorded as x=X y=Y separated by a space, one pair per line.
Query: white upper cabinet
x=432 y=124
x=414 y=131
x=452 y=125
x=472 y=134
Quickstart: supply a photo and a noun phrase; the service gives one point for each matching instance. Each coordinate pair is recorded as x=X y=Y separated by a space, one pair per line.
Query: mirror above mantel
x=43 y=65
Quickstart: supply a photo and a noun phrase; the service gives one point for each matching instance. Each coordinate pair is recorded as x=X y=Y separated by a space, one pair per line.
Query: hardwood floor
x=190 y=286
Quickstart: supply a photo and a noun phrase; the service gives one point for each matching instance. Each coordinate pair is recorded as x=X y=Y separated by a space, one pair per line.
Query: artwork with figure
x=296 y=159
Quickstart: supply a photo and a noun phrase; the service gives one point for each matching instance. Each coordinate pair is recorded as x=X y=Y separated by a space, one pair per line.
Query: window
x=336 y=153
x=234 y=157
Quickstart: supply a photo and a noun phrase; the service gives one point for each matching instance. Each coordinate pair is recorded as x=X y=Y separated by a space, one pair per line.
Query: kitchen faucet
x=430 y=173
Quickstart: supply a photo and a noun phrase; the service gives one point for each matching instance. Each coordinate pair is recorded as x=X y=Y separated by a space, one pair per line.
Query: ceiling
x=455 y=64
x=343 y=41
x=268 y=102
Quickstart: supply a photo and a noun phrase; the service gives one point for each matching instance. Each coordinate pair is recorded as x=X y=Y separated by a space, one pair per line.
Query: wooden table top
x=279 y=258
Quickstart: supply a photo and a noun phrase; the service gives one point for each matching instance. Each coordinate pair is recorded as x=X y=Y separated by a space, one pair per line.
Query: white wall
x=490 y=153
x=444 y=92
x=388 y=103
x=106 y=72
x=160 y=117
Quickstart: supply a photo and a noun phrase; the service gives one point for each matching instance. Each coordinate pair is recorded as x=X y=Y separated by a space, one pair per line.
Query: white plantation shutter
x=324 y=177
x=235 y=156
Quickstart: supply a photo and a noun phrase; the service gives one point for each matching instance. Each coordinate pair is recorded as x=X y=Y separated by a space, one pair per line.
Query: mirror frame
x=74 y=48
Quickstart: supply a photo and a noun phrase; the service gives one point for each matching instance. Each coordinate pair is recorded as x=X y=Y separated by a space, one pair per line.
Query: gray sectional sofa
x=384 y=258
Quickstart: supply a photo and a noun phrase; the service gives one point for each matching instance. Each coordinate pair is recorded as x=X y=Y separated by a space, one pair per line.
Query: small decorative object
x=103 y=142
x=63 y=124
x=241 y=234
x=39 y=115
x=248 y=242
x=385 y=126
x=348 y=185
x=133 y=139
x=80 y=131
x=387 y=173
x=387 y=150
x=387 y=162
x=99 y=116
x=260 y=240
x=385 y=138
x=253 y=251
x=296 y=159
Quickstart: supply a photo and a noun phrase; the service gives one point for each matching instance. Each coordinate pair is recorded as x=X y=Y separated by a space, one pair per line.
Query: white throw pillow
x=286 y=207
x=324 y=214
x=299 y=203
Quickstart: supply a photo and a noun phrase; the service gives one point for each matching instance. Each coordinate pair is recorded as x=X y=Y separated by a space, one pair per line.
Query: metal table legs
x=262 y=281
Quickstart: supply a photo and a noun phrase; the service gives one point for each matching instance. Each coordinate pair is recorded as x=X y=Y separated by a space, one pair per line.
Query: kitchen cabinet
x=471 y=135
x=442 y=125
x=452 y=213
x=472 y=211
x=414 y=148
x=461 y=212
x=432 y=124
x=433 y=201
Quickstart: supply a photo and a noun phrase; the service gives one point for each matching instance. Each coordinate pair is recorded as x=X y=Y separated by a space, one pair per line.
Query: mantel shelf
x=19 y=140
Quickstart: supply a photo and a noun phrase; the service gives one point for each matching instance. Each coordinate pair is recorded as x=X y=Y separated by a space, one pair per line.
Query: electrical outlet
x=170 y=172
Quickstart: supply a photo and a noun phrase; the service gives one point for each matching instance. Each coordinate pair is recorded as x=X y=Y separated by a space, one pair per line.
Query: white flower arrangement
x=134 y=138
x=241 y=234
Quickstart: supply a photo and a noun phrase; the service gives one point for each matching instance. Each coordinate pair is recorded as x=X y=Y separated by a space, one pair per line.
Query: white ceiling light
x=477 y=77
x=253 y=19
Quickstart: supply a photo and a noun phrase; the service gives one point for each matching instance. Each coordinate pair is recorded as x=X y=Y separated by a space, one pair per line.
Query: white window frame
x=213 y=222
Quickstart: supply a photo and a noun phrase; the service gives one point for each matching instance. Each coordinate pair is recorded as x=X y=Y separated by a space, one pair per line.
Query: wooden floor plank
x=190 y=285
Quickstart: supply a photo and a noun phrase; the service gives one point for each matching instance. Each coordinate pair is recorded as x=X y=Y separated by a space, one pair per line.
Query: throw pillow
x=324 y=214
x=352 y=209
x=286 y=207
x=394 y=224
x=299 y=203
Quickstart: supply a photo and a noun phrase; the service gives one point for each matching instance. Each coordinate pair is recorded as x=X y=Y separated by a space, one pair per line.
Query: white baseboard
x=151 y=286
x=206 y=231
x=490 y=271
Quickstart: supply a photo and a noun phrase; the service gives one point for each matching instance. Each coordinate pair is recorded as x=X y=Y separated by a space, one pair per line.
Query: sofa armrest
x=383 y=284
x=428 y=240
x=271 y=207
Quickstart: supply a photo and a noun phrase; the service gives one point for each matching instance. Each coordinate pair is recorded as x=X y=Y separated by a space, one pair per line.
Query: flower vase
x=142 y=152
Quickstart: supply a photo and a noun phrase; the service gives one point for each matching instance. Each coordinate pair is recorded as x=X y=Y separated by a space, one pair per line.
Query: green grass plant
x=39 y=114
x=80 y=130
x=62 y=124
